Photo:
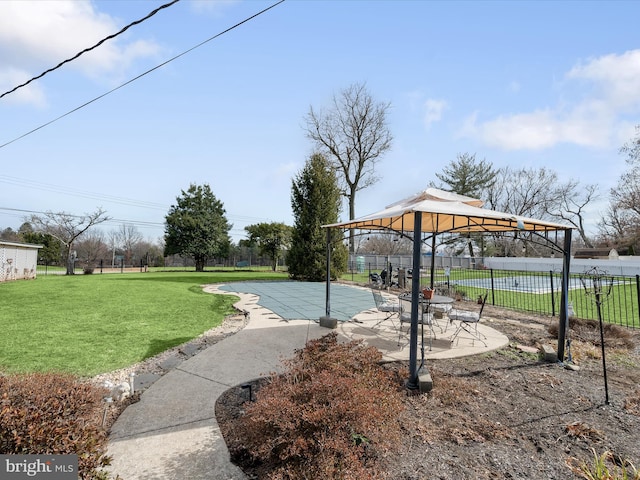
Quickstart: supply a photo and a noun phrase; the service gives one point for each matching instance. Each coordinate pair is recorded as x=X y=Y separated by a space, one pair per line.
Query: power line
x=90 y=48
x=19 y=212
x=142 y=74
x=80 y=193
x=106 y=198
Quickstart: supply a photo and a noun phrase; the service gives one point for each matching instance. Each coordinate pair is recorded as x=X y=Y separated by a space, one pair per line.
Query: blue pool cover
x=306 y=300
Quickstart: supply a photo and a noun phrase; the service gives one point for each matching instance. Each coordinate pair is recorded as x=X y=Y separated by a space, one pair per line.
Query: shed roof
x=17 y=244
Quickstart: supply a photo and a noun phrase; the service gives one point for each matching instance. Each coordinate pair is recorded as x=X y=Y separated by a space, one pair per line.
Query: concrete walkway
x=172 y=433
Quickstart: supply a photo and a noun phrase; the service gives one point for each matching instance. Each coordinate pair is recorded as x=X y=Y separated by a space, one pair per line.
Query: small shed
x=18 y=261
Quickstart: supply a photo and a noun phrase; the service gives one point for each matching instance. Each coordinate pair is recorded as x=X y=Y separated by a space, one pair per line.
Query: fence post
x=553 y=295
x=493 y=295
x=638 y=293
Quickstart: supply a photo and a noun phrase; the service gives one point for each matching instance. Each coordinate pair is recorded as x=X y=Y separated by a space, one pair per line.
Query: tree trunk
x=71 y=262
x=200 y=264
x=352 y=215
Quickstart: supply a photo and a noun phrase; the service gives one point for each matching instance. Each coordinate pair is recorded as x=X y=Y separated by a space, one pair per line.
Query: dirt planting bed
x=508 y=414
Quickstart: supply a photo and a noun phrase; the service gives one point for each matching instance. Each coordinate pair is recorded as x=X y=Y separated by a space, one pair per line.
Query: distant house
x=18 y=261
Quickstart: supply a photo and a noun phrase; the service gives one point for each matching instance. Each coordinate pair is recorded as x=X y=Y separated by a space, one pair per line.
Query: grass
x=90 y=324
x=621 y=307
x=58 y=270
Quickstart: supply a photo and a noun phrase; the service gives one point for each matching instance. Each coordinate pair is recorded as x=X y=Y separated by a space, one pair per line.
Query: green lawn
x=89 y=324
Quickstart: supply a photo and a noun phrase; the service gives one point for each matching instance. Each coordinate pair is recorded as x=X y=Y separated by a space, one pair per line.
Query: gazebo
x=436 y=212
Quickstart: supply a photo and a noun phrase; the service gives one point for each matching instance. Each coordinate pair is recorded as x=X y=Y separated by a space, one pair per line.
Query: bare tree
x=626 y=195
x=619 y=227
x=353 y=134
x=67 y=228
x=527 y=192
x=150 y=253
x=622 y=219
x=127 y=238
x=387 y=244
x=9 y=234
x=538 y=193
x=91 y=248
x=568 y=204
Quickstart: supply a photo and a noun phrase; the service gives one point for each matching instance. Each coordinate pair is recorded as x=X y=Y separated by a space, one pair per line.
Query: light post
x=600 y=288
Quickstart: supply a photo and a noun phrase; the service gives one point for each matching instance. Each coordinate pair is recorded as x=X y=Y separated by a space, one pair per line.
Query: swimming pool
x=539 y=284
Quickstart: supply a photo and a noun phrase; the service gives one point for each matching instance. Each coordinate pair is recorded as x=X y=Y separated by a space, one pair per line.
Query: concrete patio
x=172 y=432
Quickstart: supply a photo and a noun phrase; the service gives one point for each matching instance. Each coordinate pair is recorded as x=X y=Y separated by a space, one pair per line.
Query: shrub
x=600 y=469
x=332 y=414
x=46 y=413
x=588 y=331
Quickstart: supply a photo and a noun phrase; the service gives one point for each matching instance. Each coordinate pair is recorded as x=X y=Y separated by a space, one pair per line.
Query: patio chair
x=389 y=307
x=439 y=309
x=425 y=317
x=468 y=322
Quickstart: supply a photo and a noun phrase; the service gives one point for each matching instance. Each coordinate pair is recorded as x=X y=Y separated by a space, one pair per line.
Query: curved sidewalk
x=172 y=433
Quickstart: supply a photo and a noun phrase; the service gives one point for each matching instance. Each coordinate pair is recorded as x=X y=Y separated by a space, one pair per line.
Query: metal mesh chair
x=469 y=322
x=389 y=307
x=425 y=317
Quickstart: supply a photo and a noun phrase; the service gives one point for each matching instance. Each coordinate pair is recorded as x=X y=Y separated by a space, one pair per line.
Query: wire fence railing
x=535 y=292
x=539 y=292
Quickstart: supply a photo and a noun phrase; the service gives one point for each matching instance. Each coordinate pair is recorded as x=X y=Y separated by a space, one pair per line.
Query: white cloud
x=608 y=87
x=433 y=111
x=35 y=36
x=617 y=77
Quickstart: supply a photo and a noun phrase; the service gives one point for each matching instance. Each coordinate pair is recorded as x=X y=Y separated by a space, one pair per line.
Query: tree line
x=350 y=137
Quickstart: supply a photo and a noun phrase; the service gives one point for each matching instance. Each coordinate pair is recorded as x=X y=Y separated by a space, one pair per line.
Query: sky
x=544 y=84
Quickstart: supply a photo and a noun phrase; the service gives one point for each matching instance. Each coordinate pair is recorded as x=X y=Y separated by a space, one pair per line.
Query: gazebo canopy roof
x=443 y=212
x=446 y=212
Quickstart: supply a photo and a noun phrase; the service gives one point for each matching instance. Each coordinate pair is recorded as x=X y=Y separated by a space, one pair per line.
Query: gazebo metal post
x=328 y=286
x=563 y=324
x=412 y=383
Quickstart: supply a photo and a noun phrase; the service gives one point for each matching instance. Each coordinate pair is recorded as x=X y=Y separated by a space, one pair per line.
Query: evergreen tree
x=467 y=176
x=197 y=227
x=315 y=199
x=51 y=252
